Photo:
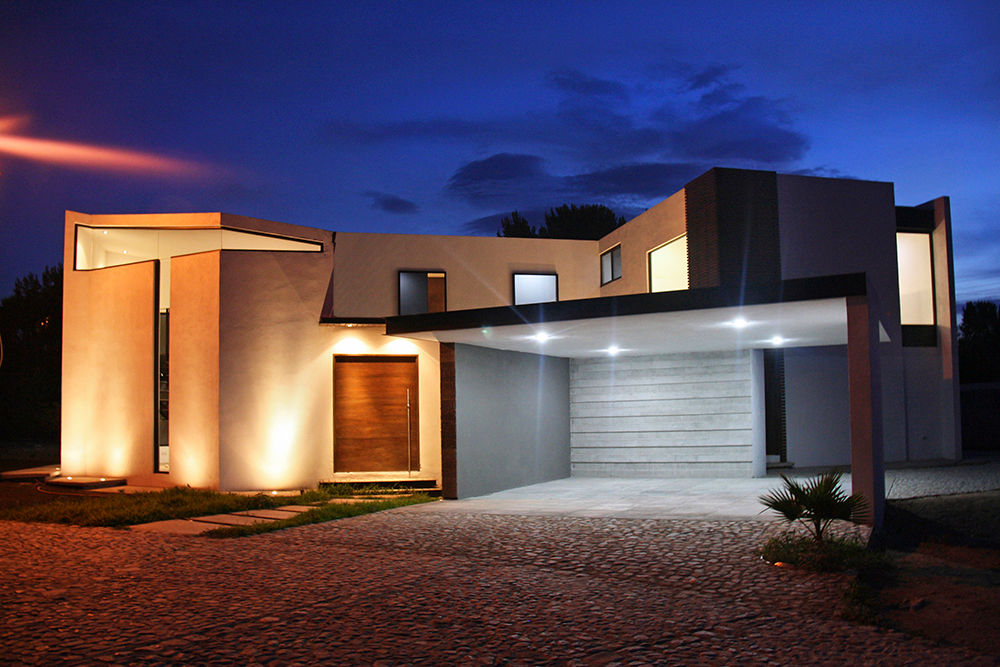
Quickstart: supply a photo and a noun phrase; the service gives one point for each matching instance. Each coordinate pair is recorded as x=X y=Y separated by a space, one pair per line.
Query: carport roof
x=793 y=313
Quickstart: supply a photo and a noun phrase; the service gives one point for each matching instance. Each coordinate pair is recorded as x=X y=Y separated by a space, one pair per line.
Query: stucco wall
x=638 y=236
x=108 y=382
x=512 y=419
x=194 y=370
x=830 y=226
x=478 y=269
x=274 y=372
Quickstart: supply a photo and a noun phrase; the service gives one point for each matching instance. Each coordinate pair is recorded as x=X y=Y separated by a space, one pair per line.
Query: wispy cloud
x=382 y=201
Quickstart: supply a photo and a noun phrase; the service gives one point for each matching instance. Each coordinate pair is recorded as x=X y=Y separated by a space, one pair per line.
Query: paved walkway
x=712 y=499
x=422 y=587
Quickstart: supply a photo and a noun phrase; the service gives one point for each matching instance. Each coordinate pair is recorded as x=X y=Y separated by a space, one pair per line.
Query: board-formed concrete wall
x=666 y=415
x=511 y=419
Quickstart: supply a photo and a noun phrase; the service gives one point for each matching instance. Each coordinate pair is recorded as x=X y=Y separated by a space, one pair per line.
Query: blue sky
x=439 y=117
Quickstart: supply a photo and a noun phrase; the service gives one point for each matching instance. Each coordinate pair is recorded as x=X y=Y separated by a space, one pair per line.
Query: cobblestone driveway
x=421 y=587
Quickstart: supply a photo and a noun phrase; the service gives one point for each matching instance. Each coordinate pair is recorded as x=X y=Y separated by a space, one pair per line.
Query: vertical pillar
x=867 y=468
x=449 y=441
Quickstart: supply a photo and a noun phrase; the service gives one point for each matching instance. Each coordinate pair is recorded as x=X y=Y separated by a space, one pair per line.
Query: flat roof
x=793 y=313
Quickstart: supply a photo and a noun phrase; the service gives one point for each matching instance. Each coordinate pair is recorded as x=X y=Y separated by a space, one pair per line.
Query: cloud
x=576 y=82
x=641 y=180
x=518 y=181
x=382 y=201
x=502 y=180
x=754 y=128
x=712 y=75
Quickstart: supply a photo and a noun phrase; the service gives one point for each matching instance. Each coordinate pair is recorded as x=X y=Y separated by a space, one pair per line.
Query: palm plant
x=816 y=503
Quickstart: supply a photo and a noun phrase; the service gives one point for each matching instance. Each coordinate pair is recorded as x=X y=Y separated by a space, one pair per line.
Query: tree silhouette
x=569 y=221
x=979 y=342
x=31 y=367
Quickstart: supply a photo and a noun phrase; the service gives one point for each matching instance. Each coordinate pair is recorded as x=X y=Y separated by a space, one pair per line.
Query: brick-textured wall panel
x=702 y=231
x=732 y=228
x=449 y=479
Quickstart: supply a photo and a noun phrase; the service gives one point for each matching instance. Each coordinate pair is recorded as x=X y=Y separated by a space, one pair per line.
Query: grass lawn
x=126 y=509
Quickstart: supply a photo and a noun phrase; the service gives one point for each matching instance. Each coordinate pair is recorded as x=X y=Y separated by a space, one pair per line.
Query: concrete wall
x=108 y=381
x=479 y=269
x=512 y=419
x=830 y=226
x=646 y=231
x=817 y=406
x=666 y=415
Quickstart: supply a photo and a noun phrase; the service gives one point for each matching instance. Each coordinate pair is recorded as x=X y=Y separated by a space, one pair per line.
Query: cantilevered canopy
x=799 y=313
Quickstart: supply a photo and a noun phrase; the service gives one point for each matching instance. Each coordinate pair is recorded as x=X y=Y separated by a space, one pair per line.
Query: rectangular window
x=668 y=266
x=421 y=292
x=916 y=278
x=611 y=265
x=535 y=288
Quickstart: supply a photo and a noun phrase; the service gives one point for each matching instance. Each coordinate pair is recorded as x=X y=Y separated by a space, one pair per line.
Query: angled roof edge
x=800 y=289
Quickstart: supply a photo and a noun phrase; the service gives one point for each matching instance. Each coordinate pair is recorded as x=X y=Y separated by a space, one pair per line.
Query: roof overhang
x=794 y=313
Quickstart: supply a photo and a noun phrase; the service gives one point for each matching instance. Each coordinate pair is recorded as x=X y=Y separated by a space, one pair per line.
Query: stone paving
x=415 y=586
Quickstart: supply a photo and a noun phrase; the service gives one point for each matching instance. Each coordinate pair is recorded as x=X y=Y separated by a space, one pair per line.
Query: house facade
x=750 y=319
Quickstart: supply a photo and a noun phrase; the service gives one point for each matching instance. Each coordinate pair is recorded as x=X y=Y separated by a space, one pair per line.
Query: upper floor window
x=916 y=278
x=535 y=288
x=421 y=292
x=611 y=264
x=668 y=266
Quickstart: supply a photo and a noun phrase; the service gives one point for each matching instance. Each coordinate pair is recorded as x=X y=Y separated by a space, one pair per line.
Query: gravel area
x=431 y=588
x=966 y=477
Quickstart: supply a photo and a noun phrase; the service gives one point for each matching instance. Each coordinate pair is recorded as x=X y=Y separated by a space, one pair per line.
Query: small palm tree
x=816 y=503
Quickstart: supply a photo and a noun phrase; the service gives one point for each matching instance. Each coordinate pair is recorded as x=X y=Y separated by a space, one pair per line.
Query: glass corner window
x=611 y=264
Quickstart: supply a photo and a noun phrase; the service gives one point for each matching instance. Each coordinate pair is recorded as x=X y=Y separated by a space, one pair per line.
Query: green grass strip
x=321 y=514
x=126 y=509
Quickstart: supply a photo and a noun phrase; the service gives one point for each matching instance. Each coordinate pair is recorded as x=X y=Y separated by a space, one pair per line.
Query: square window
x=421 y=292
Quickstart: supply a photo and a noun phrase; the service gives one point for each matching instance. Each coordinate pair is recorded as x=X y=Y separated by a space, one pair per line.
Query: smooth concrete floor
x=692 y=498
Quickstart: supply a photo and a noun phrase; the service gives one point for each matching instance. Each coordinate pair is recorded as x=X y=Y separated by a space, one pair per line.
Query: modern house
x=750 y=319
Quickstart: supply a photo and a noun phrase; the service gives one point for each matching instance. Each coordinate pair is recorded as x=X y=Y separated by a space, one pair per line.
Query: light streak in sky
x=88 y=156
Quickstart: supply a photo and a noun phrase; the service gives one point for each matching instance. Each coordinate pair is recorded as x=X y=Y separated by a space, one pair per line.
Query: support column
x=864 y=378
x=449 y=441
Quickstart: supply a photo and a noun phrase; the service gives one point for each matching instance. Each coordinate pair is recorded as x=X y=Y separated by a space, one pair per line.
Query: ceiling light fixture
x=739 y=323
x=777 y=340
x=613 y=350
x=541 y=336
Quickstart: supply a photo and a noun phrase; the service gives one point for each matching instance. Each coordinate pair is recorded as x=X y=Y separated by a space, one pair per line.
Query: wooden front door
x=375 y=425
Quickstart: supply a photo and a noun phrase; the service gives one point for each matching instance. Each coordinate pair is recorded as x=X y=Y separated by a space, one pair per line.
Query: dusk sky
x=439 y=117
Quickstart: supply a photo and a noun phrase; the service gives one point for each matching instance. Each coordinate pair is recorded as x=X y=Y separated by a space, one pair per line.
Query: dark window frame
x=426 y=273
x=513 y=284
x=611 y=251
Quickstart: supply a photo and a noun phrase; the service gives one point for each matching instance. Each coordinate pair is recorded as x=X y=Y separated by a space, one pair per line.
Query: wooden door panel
x=371 y=423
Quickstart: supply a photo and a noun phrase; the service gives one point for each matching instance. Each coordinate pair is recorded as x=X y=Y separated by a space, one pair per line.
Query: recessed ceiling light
x=777 y=340
x=541 y=336
x=739 y=323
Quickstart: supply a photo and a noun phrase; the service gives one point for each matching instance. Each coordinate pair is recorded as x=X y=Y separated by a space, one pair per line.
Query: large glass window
x=916 y=278
x=535 y=288
x=611 y=265
x=668 y=266
x=421 y=292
